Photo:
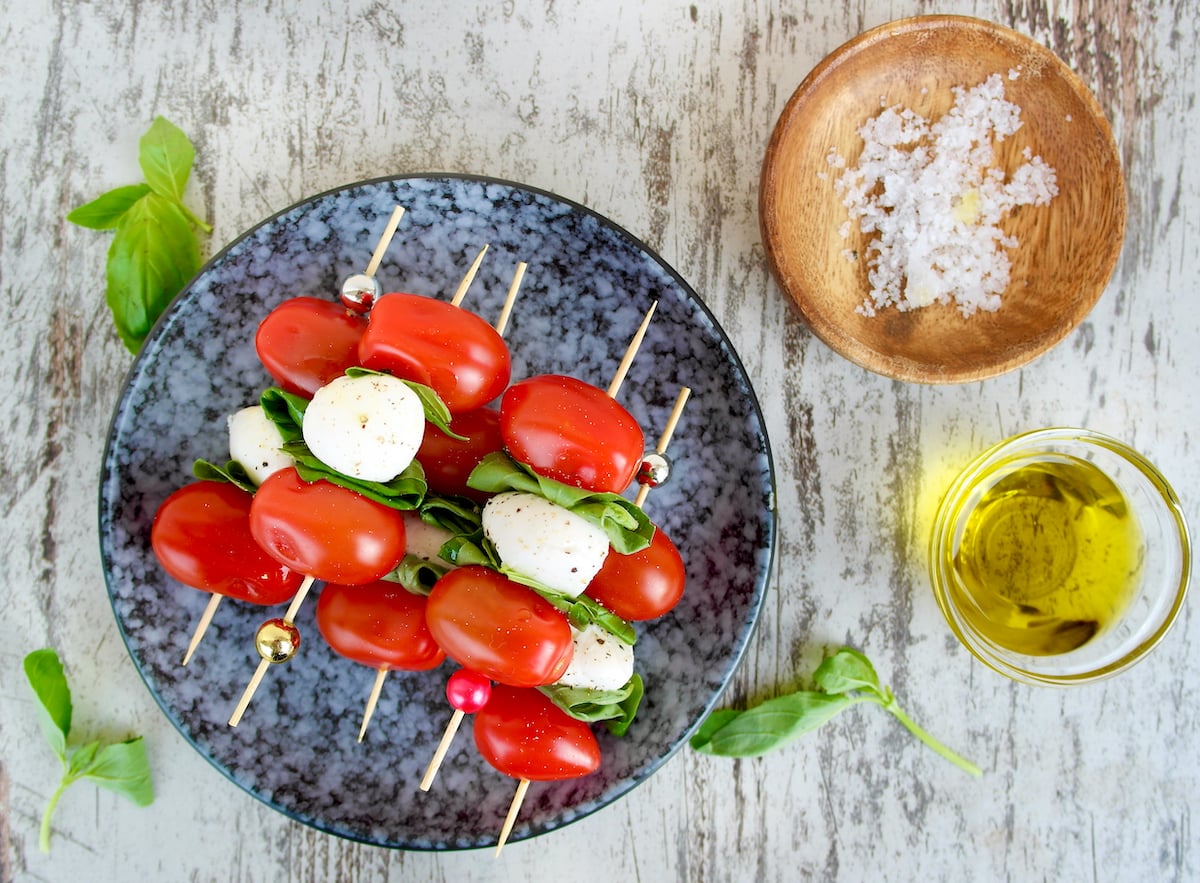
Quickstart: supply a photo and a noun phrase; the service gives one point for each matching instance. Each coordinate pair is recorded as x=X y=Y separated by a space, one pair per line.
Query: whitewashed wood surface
x=656 y=115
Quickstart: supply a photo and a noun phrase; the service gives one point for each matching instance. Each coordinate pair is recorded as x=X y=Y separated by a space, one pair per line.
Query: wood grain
x=657 y=115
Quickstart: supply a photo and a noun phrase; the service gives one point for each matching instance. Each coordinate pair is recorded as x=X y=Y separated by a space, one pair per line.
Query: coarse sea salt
x=934 y=197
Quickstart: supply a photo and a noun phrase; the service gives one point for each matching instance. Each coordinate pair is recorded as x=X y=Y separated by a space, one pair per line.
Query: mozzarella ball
x=368 y=427
x=254 y=441
x=544 y=541
x=600 y=662
x=424 y=540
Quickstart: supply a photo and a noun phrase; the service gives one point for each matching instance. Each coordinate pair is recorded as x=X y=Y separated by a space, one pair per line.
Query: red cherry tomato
x=306 y=342
x=501 y=629
x=324 y=530
x=642 y=585
x=572 y=432
x=524 y=735
x=380 y=624
x=432 y=342
x=201 y=536
x=448 y=462
x=468 y=690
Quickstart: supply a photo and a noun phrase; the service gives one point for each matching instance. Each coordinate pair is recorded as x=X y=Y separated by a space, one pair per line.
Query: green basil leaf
x=44 y=671
x=105 y=212
x=767 y=726
x=232 y=472
x=847 y=670
x=581 y=610
x=286 y=411
x=152 y=256
x=124 y=768
x=166 y=156
x=617 y=707
x=458 y=515
x=404 y=492
x=416 y=574
x=627 y=526
x=81 y=759
x=469 y=549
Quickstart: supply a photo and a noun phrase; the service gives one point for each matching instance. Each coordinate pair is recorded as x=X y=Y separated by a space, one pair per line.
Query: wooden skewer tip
x=443 y=747
x=202 y=625
x=513 y=809
x=469 y=278
x=385 y=240
x=372 y=701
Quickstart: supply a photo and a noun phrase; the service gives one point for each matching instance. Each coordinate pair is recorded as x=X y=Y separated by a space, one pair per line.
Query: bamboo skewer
x=202 y=625
x=385 y=240
x=265 y=663
x=372 y=700
x=443 y=746
x=502 y=321
x=665 y=438
x=469 y=278
x=630 y=352
x=513 y=809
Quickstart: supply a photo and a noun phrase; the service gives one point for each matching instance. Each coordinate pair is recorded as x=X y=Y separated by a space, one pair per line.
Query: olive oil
x=1050 y=556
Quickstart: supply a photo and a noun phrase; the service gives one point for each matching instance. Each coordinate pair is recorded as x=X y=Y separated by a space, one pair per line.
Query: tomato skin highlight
x=201 y=536
x=498 y=628
x=448 y=462
x=305 y=342
x=642 y=585
x=379 y=624
x=324 y=530
x=572 y=432
x=447 y=348
x=523 y=734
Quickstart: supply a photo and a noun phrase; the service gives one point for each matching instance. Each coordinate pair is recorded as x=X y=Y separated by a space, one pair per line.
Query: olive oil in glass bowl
x=1060 y=556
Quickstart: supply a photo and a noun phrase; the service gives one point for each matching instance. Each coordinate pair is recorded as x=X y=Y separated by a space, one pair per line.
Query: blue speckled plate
x=587 y=287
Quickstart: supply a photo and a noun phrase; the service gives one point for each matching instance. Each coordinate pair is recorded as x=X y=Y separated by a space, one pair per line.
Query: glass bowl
x=1060 y=556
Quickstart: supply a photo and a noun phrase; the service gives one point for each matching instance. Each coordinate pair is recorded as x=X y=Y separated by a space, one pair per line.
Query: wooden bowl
x=1067 y=249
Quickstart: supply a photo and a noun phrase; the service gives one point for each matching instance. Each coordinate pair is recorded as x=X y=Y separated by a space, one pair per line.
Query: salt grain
x=931 y=194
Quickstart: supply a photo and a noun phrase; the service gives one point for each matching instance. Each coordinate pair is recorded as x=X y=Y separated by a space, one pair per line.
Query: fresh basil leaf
x=44 y=671
x=81 y=759
x=617 y=707
x=416 y=574
x=152 y=256
x=847 y=670
x=774 y=723
x=232 y=472
x=457 y=515
x=105 y=212
x=627 y=526
x=581 y=610
x=404 y=492
x=469 y=549
x=286 y=411
x=166 y=156
x=124 y=768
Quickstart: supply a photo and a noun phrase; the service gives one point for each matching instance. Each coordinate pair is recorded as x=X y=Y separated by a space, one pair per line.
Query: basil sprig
x=154 y=251
x=844 y=679
x=617 y=708
x=628 y=527
x=120 y=766
x=232 y=472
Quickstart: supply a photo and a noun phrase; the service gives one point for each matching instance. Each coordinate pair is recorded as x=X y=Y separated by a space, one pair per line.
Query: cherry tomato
x=524 y=735
x=501 y=629
x=448 y=462
x=324 y=530
x=447 y=348
x=572 y=432
x=201 y=536
x=380 y=624
x=306 y=342
x=641 y=585
x=468 y=690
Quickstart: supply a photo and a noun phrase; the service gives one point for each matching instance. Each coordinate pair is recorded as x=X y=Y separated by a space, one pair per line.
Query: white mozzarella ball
x=254 y=441
x=424 y=540
x=544 y=541
x=368 y=427
x=600 y=661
